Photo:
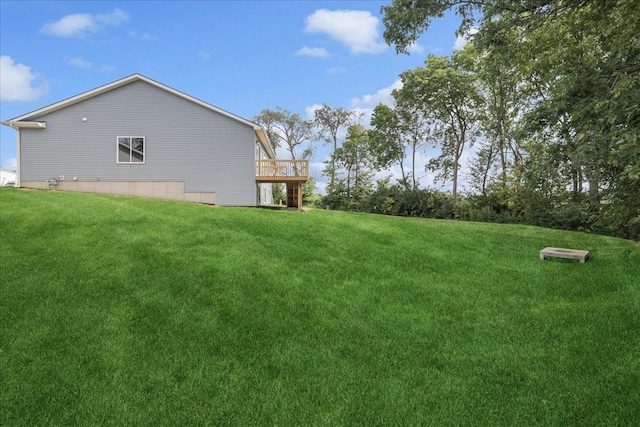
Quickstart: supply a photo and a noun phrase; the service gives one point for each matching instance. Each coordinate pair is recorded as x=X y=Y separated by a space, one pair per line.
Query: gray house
x=138 y=137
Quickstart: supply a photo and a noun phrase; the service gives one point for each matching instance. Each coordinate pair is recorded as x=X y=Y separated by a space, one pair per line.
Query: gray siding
x=183 y=142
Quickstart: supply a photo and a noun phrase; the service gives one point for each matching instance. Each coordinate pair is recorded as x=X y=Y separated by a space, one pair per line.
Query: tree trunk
x=485 y=172
x=404 y=176
x=333 y=163
x=455 y=179
x=413 y=166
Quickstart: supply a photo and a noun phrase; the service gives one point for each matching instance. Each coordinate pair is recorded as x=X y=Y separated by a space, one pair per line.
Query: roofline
x=264 y=140
x=260 y=133
x=21 y=125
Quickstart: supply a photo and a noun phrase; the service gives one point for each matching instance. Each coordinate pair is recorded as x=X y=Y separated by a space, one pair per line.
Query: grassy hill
x=122 y=311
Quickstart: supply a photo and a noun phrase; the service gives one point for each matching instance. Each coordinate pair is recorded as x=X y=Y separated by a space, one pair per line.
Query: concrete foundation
x=149 y=189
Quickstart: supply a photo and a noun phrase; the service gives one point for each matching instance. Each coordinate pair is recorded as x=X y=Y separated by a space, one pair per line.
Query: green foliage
x=309 y=189
x=396 y=131
x=354 y=160
x=561 y=83
x=386 y=139
x=329 y=120
x=279 y=193
x=548 y=89
x=289 y=130
x=400 y=200
x=352 y=173
x=447 y=95
x=406 y=20
x=506 y=92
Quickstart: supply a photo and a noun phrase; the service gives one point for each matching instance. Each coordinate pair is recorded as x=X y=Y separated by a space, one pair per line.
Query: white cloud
x=316 y=168
x=316 y=52
x=310 y=110
x=461 y=41
x=282 y=153
x=383 y=96
x=81 y=24
x=358 y=29
x=113 y=18
x=362 y=116
x=321 y=187
x=69 y=26
x=18 y=82
x=362 y=107
x=415 y=48
x=79 y=62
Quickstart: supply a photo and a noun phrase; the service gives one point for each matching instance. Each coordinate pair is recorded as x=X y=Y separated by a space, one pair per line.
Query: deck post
x=299 y=196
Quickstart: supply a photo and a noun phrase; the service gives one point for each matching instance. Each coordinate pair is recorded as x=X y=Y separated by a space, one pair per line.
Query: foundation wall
x=154 y=189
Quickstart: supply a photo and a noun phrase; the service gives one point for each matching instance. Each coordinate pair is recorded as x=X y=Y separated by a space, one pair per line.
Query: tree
x=386 y=140
x=289 y=130
x=446 y=92
x=506 y=94
x=268 y=120
x=583 y=57
x=329 y=121
x=354 y=160
x=279 y=193
x=396 y=131
x=481 y=166
x=415 y=123
x=309 y=189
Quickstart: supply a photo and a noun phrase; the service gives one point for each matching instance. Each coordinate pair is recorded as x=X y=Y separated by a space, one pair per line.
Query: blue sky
x=241 y=56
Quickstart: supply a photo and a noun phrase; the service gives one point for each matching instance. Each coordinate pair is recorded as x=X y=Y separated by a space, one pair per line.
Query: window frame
x=131 y=150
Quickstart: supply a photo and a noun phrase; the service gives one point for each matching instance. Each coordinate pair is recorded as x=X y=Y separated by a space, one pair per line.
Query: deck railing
x=271 y=170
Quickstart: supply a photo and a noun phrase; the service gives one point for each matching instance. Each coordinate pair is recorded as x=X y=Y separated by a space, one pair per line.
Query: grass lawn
x=123 y=311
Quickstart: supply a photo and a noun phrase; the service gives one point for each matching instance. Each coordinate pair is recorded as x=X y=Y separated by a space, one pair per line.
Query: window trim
x=131 y=137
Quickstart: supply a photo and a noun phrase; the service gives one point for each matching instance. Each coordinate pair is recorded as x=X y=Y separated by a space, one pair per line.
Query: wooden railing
x=270 y=170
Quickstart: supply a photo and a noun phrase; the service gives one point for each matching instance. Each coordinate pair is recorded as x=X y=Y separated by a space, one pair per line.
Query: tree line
x=547 y=92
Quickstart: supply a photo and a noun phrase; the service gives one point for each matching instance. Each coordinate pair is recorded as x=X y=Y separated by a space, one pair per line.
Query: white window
x=130 y=149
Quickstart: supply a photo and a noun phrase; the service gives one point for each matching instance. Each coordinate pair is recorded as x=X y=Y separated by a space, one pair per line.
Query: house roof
x=26 y=119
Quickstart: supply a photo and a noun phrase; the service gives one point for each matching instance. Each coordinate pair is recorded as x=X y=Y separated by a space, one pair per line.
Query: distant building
x=7 y=177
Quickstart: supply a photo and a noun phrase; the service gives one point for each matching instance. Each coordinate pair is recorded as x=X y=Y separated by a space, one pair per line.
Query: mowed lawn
x=124 y=311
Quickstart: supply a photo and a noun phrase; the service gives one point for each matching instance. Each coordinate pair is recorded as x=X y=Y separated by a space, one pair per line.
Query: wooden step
x=564 y=253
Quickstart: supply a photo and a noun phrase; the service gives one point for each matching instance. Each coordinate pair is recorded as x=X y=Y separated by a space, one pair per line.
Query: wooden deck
x=271 y=170
x=291 y=172
x=564 y=253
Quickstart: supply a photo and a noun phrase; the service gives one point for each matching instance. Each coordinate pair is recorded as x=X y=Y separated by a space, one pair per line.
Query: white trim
x=264 y=140
x=25 y=125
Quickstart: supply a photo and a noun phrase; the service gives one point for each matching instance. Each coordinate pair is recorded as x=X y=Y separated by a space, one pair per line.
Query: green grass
x=122 y=311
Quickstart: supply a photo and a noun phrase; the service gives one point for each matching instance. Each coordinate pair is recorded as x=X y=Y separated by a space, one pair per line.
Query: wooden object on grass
x=565 y=253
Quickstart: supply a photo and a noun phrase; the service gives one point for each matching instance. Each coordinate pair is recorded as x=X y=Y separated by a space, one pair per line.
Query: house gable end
x=30 y=117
